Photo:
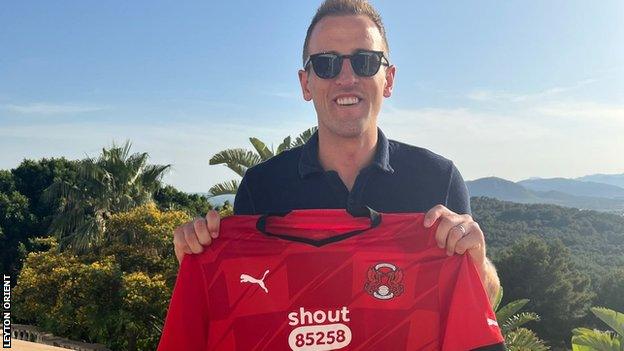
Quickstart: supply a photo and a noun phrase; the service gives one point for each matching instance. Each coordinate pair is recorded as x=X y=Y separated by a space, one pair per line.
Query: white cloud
x=551 y=139
x=51 y=109
x=551 y=136
x=505 y=96
x=586 y=110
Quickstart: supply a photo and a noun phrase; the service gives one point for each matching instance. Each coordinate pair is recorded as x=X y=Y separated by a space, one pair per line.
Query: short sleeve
x=187 y=322
x=457 y=197
x=243 y=204
x=468 y=322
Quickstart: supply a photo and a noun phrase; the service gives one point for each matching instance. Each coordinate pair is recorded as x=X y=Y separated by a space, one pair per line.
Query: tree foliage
x=22 y=214
x=240 y=160
x=559 y=292
x=170 y=198
x=596 y=239
x=16 y=221
x=116 y=295
x=611 y=290
x=517 y=337
x=116 y=181
x=585 y=339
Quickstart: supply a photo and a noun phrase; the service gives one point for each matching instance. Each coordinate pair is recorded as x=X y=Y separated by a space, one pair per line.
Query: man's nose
x=346 y=76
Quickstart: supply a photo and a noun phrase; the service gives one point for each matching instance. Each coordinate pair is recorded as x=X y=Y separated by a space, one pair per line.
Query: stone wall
x=33 y=334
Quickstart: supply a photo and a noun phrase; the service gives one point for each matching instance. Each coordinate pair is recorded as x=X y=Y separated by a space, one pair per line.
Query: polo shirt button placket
x=350 y=201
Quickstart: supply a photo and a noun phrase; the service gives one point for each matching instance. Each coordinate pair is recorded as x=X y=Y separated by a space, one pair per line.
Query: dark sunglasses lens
x=366 y=64
x=326 y=66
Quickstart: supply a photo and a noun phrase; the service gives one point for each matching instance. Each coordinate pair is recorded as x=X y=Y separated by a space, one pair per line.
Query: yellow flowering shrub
x=117 y=294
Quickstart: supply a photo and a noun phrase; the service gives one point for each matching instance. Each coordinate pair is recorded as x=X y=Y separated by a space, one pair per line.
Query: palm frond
x=224 y=188
x=304 y=136
x=156 y=323
x=261 y=148
x=152 y=175
x=505 y=312
x=498 y=298
x=285 y=145
x=613 y=319
x=238 y=160
x=518 y=320
x=587 y=339
x=60 y=190
x=523 y=339
x=116 y=181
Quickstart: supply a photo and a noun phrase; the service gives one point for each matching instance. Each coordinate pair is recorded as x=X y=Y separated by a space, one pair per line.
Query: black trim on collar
x=375 y=218
x=495 y=347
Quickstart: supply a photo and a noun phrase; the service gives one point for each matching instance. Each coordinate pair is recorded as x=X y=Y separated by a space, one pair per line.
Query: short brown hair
x=344 y=8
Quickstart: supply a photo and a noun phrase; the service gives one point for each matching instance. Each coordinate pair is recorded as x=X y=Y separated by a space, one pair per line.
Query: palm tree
x=584 y=339
x=517 y=337
x=116 y=181
x=239 y=160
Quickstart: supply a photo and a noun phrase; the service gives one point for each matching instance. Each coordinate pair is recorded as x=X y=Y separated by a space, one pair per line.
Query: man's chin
x=349 y=130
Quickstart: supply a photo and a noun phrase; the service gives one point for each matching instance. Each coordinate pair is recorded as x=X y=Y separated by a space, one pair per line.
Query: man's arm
x=450 y=235
x=490 y=280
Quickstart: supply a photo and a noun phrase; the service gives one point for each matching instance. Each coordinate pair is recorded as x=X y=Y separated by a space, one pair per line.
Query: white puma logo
x=492 y=322
x=245 y=278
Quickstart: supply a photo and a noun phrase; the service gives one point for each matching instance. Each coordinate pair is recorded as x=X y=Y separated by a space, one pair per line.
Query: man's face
x=333 y=98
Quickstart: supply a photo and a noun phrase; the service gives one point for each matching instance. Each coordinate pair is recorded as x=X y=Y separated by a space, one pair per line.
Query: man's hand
x=191 y=236
x=459 y=234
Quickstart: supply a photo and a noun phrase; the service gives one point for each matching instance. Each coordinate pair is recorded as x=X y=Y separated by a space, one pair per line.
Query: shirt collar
x=309 y=161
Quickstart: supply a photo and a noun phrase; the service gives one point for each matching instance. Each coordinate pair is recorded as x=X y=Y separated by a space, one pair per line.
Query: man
x=349 y=162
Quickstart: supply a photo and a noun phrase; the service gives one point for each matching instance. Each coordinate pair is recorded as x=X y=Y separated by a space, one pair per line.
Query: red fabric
x=437 y=303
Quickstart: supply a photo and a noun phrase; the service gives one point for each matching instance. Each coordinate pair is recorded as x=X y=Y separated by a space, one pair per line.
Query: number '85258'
x=320 y=337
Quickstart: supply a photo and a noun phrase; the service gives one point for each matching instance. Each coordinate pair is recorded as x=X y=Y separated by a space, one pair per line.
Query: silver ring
x=463 y=230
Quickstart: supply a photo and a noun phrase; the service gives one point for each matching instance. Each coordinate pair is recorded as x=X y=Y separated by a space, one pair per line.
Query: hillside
x=613 y=179
x=595 y=238
x=501 y=189
x=574 y=187
x=543 y=192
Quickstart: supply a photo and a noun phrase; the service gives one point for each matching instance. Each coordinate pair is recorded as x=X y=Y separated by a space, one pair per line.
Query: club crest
x=384 y=281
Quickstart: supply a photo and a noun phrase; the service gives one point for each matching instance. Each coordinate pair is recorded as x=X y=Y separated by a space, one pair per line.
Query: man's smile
x=347 y=100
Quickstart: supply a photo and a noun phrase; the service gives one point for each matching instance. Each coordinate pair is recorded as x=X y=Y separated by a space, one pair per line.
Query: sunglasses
x=365 y=63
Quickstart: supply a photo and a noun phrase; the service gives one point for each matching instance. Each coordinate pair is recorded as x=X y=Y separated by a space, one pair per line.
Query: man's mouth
x=348 y=100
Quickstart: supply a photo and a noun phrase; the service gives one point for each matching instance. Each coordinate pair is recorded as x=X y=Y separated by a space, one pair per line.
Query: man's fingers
x=473 y=242
x=213 y=220
x=201 y=230
x=179 y=253
x=434 y=213
x=455 y=234
x=191 y=238
x=179 y=244
x=445 y=225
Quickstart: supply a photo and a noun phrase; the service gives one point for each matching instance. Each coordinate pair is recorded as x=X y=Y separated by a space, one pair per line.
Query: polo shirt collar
x=309 y=162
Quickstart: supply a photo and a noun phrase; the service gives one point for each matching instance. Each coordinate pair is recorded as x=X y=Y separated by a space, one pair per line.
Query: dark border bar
x=6 y=313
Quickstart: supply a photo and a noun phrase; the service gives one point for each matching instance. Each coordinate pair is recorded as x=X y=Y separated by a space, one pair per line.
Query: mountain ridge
x=588 y=195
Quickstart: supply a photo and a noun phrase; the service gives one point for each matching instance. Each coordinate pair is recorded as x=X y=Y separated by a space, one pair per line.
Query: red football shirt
x=329 y=282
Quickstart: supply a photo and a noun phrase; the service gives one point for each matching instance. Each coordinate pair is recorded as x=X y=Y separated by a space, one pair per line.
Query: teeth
x=348 y=100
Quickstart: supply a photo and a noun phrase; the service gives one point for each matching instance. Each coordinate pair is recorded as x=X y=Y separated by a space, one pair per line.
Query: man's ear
x=390 y=71
x=304 y=80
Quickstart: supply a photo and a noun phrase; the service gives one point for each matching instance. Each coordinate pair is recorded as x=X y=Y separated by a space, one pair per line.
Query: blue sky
x=513 y=89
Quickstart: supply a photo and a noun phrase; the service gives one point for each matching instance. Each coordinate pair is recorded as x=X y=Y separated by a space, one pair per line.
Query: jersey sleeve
x=243 y=205
x=457 y=197
x=186 y=325
x=468 y=320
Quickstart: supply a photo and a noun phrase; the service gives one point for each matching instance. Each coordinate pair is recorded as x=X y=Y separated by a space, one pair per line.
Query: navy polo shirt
x=400 y=178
